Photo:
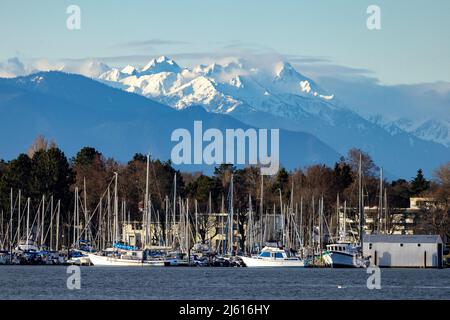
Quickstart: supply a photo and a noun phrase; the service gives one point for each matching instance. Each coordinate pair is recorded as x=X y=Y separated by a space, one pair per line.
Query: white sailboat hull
x=97 y=260
x=258 y=262
x=106 y=261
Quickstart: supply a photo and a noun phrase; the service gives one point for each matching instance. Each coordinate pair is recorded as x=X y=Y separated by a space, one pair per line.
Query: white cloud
x=88 y=68
x=11 y=68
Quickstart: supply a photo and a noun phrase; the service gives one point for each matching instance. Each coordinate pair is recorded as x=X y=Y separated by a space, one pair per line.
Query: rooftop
x=401 y=238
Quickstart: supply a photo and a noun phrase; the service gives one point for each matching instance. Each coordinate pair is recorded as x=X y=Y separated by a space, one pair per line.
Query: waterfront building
x=404 y=251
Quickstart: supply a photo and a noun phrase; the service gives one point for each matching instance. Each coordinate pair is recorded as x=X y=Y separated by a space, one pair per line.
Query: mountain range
x=134 y=109
x=77 y=111
x=276 y=95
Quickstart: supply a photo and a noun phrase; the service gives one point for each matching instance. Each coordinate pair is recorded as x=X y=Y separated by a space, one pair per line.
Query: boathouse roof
x=400 y=238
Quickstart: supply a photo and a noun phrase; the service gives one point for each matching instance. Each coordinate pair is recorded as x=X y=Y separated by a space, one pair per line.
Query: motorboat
x=272 y=257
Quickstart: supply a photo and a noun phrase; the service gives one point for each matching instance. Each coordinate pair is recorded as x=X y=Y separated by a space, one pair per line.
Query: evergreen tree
x=419 y=184
x=51 y=175
x=342 y=175
x=281 y=181
x=399 y=194
x=86 y=156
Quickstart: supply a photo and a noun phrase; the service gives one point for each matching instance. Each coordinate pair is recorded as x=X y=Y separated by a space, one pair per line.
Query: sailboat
x=122 y=258
x=345 y=254
x=118 y=255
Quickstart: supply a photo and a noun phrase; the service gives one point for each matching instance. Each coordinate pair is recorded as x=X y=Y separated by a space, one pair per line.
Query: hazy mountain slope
x=78 y=111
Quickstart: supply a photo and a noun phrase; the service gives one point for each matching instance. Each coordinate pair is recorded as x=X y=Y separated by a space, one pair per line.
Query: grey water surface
x=50 y=282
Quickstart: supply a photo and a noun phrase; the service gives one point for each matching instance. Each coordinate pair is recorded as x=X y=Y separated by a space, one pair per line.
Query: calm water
x=49 y=282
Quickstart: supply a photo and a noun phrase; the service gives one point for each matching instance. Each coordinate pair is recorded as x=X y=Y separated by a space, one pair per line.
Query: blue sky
x=411 y=47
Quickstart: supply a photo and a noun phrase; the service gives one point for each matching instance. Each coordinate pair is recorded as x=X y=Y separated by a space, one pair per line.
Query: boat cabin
x=273 y=253
x=340 y=247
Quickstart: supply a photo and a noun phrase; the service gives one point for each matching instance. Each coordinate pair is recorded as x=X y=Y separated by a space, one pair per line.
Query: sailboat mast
x=57 y=224
x=108 y=216
x=380 y=203
x=51 y=223
x=196 y=221
x=282 y=218
x=320 y=222
x=385 y=212
x=166 y=225
x=231 y=218
x=261 y=209
x=312 y=223
x=116 y=210
x=145 y=217
x=149 y=215
x=338 y=219
x=74 y=216
x=302 y=235
x=42 y=220
x=11 y=220
x=360 y=202
x=290 y=213
x=18 y=217
x=174 y=205
x=100 y=224
x=28 y=221
x=345 y=220
x=249 y=223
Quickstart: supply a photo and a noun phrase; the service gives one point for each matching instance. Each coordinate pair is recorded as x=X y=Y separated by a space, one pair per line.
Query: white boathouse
x=404 y=251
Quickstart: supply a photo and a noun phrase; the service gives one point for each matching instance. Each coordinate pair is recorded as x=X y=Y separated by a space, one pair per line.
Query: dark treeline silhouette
x=45 y=170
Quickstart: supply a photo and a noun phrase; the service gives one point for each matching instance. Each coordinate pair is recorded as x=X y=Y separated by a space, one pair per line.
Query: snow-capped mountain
x=218 y=88
x=275 y=95
x=430 y=130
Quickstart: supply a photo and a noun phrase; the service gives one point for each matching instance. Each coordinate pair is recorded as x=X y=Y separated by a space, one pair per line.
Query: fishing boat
x=345 y=255
x=272 y=257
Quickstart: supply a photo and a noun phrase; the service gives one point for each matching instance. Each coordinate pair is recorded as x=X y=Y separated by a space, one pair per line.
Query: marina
x=225 y=160
x=280 y=237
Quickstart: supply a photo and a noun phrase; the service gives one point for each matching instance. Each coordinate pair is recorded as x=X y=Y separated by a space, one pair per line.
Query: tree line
x=46 y=170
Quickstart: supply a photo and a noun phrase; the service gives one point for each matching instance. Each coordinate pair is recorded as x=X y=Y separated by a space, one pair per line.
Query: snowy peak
x=162 y=64
x=221 y=87
x=129 y=70
x=236 y=82
x=284 y=69
x=437 y=130
x=113 y=75
x=288 y=80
